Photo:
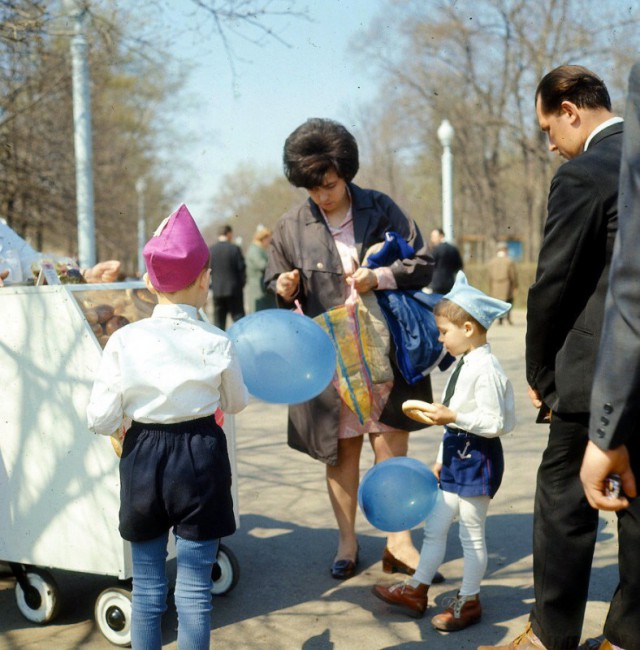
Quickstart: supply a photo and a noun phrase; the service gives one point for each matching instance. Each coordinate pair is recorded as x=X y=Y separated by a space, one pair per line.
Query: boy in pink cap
x=170 y=373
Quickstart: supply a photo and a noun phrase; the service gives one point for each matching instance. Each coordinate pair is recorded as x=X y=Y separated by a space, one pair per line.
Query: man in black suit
x=447 y=262
x=228 y=276
x=614 y=429
x=565 y=310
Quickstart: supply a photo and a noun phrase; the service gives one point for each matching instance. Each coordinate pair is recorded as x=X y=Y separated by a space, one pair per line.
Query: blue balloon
x=286 y=358
x=397 y=494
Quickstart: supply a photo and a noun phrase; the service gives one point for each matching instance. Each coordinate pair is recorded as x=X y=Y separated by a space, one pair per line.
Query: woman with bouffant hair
x=316 y=254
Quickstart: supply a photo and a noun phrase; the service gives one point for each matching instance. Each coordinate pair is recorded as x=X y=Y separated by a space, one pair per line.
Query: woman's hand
x=287 y=284
x=436 y=470
x=364 y=280
x=3 y=276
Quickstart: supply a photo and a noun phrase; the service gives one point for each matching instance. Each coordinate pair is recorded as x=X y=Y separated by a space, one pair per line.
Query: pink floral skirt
x=349 y=426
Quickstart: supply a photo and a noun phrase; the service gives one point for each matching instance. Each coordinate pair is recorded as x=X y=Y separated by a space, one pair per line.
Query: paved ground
x=286 y=599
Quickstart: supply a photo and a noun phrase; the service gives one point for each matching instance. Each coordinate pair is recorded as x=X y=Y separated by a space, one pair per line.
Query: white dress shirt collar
x=601 y=127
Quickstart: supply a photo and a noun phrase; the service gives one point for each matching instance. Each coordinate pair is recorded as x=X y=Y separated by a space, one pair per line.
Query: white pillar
x=445 y=135
x=141 y=186
x=82 y=137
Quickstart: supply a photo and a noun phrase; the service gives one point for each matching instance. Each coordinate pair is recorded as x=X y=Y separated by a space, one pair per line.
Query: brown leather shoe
x=525 y=641
x=412 y=600
x=461 y=612
x=391 y=564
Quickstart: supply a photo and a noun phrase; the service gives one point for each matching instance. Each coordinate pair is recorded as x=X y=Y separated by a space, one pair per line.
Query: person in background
x=447 y=260
x=315 y=256
x=503 y=278
x=169 y=374
x=228 y=277
x=256 y=259
x=614 y=427
x=477 y=407
x=565 y=310
x=17 y=257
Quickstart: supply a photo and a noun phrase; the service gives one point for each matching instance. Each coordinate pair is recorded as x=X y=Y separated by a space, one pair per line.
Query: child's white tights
x=472 y=513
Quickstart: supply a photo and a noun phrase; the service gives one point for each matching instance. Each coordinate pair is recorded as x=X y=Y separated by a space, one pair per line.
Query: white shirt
x=163 y=369
x=15 y=255
x=601 y=127
x=483 y=398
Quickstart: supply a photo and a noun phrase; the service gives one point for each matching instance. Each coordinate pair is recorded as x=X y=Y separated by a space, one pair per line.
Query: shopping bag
x=345 y=326
x=374 y=325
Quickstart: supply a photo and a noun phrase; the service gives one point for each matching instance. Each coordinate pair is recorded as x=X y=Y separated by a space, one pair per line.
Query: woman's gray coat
x=301 y=240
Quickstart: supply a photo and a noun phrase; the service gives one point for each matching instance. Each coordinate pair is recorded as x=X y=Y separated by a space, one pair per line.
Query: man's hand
x=287 y=284
x=103 y=272
x=437 y=468
x=534 y=396
x=3 y=277
x=597 y=465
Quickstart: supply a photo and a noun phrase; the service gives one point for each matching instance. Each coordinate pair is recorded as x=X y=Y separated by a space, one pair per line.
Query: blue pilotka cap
x=483 y=308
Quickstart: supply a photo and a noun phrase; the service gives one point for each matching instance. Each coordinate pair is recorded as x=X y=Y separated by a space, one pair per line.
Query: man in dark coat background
x=448 y=262
x=228 y=276
x=565 y=311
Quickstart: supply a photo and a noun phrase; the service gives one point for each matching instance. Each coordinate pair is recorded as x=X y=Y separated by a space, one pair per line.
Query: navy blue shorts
x=472 y=466
x=176 y=476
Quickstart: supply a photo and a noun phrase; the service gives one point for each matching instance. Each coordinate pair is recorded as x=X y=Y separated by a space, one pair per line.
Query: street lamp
x=141 y=186
x=445 y=135
x=82 y=135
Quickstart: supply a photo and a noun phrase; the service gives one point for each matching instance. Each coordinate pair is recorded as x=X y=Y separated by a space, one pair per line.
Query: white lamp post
x=141 y=186
x=445 y=135
x=82 y=135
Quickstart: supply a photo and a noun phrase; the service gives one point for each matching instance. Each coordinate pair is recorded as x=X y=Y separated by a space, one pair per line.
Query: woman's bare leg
x=342 y=482
x=388 y=445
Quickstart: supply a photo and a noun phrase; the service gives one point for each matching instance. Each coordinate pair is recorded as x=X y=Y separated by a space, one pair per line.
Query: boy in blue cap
x=477 y=408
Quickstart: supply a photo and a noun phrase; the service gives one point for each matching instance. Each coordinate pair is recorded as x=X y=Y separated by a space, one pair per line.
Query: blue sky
x=276 y=88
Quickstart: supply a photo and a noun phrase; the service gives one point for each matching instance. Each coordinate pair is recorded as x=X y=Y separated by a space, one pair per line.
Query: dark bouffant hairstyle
x=573 y=83
x=316 y=147
x=453 y=312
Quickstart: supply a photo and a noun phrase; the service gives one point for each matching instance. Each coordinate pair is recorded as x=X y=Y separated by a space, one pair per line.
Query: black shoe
x=344 y=569
x=437 y=578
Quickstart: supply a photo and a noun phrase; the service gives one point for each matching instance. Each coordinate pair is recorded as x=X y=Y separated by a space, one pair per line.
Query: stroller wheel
x=225 y=573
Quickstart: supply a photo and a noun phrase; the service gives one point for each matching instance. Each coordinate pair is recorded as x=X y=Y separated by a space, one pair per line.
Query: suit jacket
x=448 y=262
x=565 y=305
x=228 y=272
x=301 y=240
x=615 y=402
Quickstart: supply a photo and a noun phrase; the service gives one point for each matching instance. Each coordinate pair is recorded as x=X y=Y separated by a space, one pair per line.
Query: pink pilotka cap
x=176 y=253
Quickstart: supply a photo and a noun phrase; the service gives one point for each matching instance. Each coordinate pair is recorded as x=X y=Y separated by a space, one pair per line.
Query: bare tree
x=248 y=197
x=477 y=62
x=132 y=90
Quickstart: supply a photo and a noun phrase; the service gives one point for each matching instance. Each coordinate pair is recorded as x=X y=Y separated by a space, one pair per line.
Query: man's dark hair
x=316 y=147
x=573 y=83
x=223 y=231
